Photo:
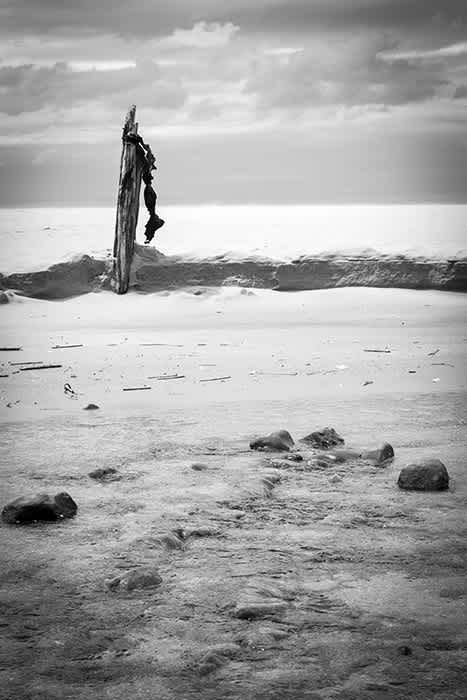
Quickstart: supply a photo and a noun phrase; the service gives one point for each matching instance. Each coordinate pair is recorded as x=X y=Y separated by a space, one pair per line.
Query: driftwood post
x=127 y=203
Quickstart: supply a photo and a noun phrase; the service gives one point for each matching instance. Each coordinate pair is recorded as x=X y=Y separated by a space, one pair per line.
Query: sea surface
x=35 y=238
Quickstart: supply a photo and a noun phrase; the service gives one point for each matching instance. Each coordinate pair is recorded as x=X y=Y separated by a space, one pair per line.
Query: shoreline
x=153 y=271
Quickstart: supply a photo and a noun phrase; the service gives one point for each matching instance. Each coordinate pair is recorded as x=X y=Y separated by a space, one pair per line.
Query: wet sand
x=360 y=586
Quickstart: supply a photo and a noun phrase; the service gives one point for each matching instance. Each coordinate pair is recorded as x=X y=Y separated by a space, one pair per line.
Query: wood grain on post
x=127 y=204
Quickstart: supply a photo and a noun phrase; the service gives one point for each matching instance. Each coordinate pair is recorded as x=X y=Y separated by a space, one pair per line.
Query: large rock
x=40 y=507
x=280 y=441
x=430 y=475
x=324 y=439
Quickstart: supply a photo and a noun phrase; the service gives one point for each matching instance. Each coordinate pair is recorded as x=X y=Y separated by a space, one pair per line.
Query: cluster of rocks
x=427 y=475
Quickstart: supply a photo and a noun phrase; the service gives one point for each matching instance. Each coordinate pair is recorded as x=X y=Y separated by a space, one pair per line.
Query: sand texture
x=198 y=568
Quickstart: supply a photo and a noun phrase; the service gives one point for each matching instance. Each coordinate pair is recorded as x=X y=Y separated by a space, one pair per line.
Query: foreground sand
x=362 y=571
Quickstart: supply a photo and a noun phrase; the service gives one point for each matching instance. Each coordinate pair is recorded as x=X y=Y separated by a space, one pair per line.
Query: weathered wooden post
x=127 y=203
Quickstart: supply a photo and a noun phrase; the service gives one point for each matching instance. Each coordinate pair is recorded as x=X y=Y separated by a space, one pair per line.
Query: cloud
x=349 y=73
x=148 y=18
x=203 y=35
x=29 y=88
x=454 y=50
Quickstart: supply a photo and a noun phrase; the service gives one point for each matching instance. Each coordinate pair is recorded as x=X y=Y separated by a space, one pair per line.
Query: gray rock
x=172 y=540
x=199 y=467
x=40 y=507
x=280 y=441
x=138 y=578
x=251 y=610
x=429 y=475
x=91 y=407
x=380 y=456
x=324 y=439
x=341 y=456
x=104 y=474
x=294 y=457
x=217 y=656
x=280 y=464
x=200 y=531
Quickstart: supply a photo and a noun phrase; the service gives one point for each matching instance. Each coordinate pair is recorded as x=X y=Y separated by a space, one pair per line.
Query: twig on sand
x=215 y=379
x=161 y=345
x=64 y=347
x=432 y=354
x=442 y=364
x=4 y=375
x=137 y=388
x=17 y=364
x=162 y=377
x=25 y=369
x=9 y=349
x=370 y=350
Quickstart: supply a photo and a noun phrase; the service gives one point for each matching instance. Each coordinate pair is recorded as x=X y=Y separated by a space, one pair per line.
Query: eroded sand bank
x=153 y=271
x=365 y=584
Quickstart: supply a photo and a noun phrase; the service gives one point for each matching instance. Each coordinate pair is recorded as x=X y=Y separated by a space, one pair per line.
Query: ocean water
x=34 y=238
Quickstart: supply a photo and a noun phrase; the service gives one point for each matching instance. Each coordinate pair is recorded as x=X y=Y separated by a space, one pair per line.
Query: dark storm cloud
x=158 y=17
x=306 y=15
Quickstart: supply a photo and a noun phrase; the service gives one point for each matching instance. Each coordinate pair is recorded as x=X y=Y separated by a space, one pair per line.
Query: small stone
x=384 y=454
x=172 y=540
x=280 y=441
x=200 y=531
x=40 y=507
x=405 y=650
x=215 y=657
x=294 y=457
x=106 y=473
x=198 y=467
x=341 y=456
x=280 y=464
x=139 y=578
x=91 y=407
x=324 y=439
x=429 y=475
x=254 y=610
x=273 y=477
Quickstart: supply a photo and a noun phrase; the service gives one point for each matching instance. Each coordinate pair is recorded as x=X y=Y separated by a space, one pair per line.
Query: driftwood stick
x=25 y=369
x=137 y=388
x=9 y=349
x=64 y=347
x=127 y=204
x=385 y=351
x=17 y=364
x=162 y=377
x=165 y=345
x=215 y=379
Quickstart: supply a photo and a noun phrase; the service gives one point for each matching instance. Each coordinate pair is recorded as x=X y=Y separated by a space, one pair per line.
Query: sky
x=242 y=101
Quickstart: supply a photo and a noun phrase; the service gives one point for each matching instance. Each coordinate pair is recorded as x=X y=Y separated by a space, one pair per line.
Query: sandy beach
x=361 y=586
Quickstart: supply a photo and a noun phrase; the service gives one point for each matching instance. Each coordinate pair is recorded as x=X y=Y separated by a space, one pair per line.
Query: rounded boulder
x=430 y=475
